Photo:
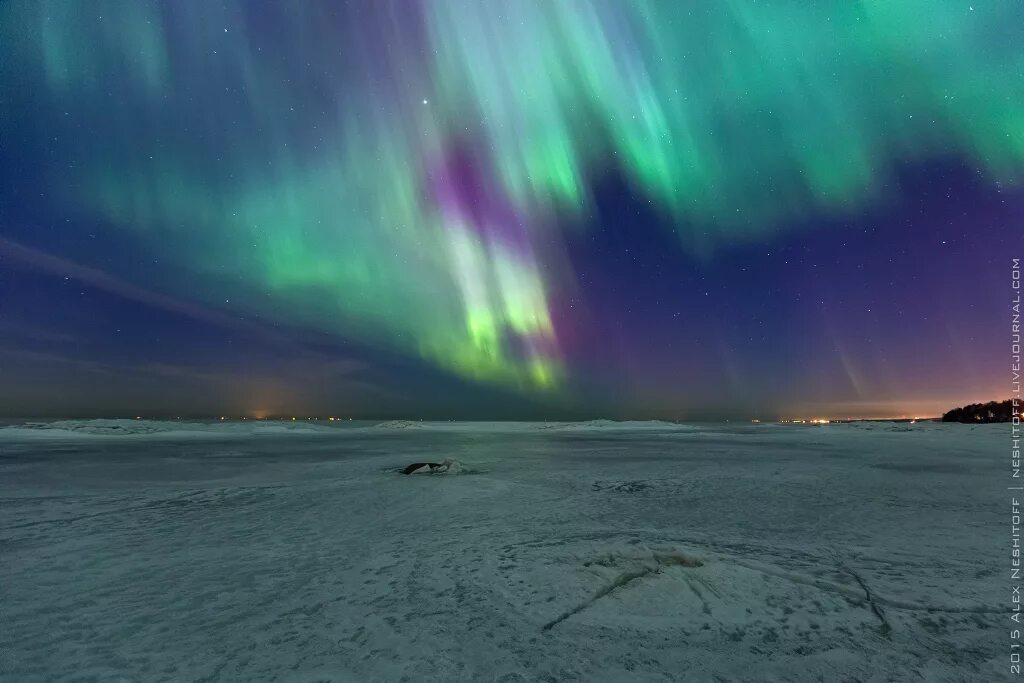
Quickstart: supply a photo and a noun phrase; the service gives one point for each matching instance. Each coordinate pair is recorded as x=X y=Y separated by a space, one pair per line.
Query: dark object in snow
x=445 y=465
x=983 y=412
x=416 y=465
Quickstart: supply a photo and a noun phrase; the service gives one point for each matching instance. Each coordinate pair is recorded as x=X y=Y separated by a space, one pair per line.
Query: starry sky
x=508 y=210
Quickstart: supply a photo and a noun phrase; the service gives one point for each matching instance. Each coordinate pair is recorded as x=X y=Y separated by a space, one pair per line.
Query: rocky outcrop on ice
x=446 y=466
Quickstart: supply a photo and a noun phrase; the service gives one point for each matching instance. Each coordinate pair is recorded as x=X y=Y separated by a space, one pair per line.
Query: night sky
x=508 y=210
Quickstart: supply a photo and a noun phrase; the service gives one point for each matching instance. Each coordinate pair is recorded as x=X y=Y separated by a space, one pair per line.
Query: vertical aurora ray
x=399 y=172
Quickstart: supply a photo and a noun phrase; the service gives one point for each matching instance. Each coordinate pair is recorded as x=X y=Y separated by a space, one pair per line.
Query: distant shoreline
x=203 y=418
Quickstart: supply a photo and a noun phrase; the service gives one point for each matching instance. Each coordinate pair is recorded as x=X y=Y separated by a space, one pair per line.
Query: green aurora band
x=403 y=173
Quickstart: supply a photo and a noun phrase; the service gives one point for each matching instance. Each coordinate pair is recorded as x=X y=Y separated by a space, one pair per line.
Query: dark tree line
x=993 y=411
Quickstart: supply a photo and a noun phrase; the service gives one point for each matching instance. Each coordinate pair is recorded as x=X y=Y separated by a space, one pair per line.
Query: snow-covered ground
x=605 y=551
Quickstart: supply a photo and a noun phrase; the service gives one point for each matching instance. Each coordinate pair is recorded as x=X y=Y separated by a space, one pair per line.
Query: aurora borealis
x=818 y=193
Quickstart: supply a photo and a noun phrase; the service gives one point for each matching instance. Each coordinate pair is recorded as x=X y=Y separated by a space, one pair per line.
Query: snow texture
x=605 y=551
